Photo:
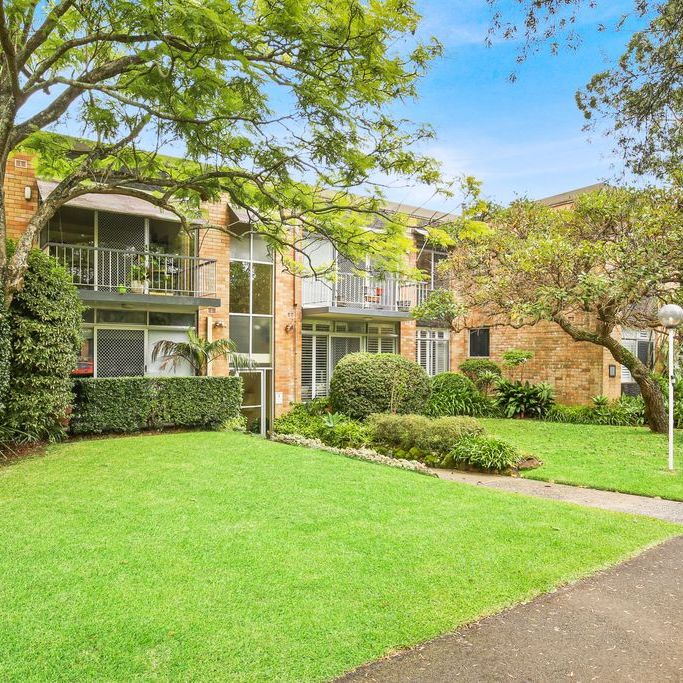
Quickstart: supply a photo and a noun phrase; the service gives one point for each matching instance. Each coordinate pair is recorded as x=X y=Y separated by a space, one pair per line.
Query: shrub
x=129 y=404
x=339 y=432
x=318 y=406
x=454 y=394
x=626 y=411
x=482 y=452
x=299 y=421
x=45 y=329
x=444 y=432
x=522 y=399
x=345 y=434
x=481 y=371
x=397 y=431
x=5 y=358
x=366 y=383
x=416 y=436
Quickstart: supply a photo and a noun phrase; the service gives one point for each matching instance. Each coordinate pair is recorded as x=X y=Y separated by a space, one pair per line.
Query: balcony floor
x=354 y=313
x=91 y=296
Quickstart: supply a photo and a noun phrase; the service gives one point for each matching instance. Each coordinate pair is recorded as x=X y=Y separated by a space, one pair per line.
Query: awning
x=116 y=203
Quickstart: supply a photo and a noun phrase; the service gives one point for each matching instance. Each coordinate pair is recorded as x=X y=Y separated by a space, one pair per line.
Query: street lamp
x=671 y=317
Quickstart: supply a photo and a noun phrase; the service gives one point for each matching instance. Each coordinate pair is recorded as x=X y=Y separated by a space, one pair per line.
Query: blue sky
x=522 y=138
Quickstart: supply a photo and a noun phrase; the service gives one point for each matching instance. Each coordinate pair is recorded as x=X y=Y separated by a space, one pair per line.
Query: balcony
x=387 y=297
x=125 y=271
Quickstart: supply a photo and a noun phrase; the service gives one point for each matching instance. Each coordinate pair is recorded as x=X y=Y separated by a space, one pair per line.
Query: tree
x=639 y=97
x=199 y=353
x=606 y=263
x=261 y=95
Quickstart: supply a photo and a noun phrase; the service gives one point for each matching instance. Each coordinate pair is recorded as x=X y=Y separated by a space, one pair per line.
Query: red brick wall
x=215 y=244
x=577 y=370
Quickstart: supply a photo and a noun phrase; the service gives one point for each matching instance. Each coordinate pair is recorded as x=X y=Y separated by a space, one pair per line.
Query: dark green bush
x=627 y=411
x=366 y=383
x=318 y=406
x=346 y=434
x=129 y=404
x=455 y=394
x=299 y=421
x=482 y=452
x=416 y=436
x=480 y=371
x=5 y=358
x=45 y=329
x=523 y=399
x=307 y=420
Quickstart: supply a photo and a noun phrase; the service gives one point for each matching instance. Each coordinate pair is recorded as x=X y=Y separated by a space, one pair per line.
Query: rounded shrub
x=481 y=371
x=366 y=383
x=454 y=394
x=45 y=329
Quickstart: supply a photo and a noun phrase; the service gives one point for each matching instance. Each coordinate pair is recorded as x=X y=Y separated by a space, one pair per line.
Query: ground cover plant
x=628 y=459
x=221 y=555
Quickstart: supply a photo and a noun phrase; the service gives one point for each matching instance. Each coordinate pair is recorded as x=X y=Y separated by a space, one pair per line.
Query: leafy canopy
x=282 y=105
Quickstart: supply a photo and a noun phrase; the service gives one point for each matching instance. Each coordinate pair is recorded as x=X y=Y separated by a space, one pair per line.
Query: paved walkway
x=623 y=624
x=669 y=510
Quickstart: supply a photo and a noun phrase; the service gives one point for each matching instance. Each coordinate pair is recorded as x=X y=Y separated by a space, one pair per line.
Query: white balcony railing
x=137 y=272
x=354 y=291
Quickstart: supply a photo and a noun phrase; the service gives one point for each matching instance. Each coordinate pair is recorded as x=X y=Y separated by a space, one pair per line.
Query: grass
x=627 y=459
x=217 y=556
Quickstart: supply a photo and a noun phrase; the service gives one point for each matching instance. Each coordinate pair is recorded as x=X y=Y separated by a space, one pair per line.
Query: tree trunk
x=655 y=410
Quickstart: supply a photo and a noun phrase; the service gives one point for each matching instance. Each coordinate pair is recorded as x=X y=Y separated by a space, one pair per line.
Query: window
x=324 y=344
x=433 y=350
x=251 y=297
x=428 y=261
x=640 y=344
x=118 y=342
x=480 y=342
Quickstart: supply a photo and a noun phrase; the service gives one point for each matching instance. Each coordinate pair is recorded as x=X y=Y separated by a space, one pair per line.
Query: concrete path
x=623 y=624
x=668 y=510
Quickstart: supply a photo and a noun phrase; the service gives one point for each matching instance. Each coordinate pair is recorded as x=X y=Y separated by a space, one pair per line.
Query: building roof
x=570 y=196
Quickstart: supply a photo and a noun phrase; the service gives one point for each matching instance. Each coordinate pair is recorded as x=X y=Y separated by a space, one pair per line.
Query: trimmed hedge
x=45 y=329
x=130 y=404
x=366 y=383
x=417 y=436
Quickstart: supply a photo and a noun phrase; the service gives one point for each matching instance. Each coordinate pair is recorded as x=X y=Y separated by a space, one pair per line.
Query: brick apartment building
x=294 y=329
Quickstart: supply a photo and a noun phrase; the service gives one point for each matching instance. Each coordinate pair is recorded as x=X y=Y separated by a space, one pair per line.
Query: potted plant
x=122 y=289
x=138 y=278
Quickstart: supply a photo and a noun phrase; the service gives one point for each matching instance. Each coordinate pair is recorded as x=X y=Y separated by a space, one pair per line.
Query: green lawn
x=216 y=556
x=628 y=459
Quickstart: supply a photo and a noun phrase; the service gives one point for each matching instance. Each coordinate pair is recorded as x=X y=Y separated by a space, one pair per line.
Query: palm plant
x=199 y=352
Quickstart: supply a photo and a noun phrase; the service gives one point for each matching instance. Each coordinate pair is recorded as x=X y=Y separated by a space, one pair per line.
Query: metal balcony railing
x=136 y=272
x=354 y=291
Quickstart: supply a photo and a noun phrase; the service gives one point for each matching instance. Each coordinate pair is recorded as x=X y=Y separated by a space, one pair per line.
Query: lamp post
x=671 y=317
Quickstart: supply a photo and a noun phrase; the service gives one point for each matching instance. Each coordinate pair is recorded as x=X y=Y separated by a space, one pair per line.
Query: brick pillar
x=408 y=339
x=19 y=174
x=286 y=339
x=213 y=243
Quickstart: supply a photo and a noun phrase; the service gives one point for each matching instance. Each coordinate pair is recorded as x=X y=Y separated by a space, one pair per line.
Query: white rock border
x=366 y=454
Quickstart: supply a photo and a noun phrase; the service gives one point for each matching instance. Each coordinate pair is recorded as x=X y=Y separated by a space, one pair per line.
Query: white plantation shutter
x=307 y=368
x=433 y=350
x=314 y=375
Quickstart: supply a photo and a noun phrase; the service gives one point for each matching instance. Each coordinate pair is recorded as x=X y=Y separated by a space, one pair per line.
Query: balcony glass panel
x=239 y=332
x=262 y=289
x=239 y=287
x=261 y=335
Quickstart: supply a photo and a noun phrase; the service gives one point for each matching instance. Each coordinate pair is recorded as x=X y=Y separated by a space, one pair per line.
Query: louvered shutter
x=307 y=368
